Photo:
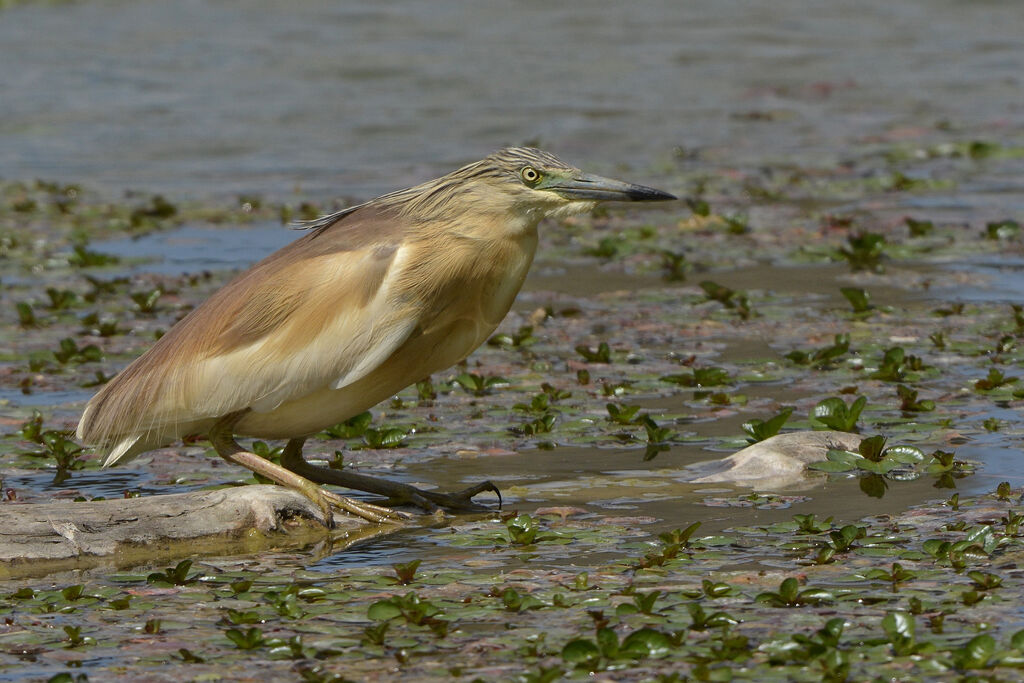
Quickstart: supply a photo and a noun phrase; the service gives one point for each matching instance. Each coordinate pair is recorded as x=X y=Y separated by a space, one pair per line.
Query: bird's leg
x=223 y=441
x=430 y=501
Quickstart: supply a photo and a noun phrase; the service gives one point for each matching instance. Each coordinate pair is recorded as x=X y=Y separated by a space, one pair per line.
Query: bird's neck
x=483 y=227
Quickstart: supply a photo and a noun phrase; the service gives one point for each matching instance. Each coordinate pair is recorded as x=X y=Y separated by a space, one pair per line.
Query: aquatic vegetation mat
x=845 y=297
x=931 y=592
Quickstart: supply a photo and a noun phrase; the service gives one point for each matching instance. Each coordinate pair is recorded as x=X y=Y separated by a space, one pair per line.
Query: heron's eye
x=530 y=175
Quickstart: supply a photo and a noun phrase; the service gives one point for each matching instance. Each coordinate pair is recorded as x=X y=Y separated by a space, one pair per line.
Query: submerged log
x=45 y=537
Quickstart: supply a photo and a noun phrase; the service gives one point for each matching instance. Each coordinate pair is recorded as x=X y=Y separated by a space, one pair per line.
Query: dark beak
x=594 y=187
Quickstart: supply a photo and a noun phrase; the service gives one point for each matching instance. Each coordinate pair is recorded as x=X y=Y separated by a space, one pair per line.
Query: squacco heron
x=372 y=299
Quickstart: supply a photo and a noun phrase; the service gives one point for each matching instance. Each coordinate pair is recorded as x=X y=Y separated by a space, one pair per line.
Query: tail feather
x=125 y=450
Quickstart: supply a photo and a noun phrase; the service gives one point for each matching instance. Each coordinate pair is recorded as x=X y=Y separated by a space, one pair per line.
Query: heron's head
x=524 y=179
x=519 y=185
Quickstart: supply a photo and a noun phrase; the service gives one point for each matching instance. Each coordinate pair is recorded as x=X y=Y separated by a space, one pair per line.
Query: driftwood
x=45 y=537
x=41 y=538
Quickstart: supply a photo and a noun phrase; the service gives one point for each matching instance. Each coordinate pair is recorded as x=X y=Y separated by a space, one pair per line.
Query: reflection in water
x=92 y=483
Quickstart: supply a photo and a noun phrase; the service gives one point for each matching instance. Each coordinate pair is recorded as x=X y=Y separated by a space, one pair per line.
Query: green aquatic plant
x=790 y=595
x=899 y=628
x=607 y=248
x=711 y=590
x=863 y=250
x=672 y=543
x=596 y=654
x=250 y=639
x=844 y=539
x=643 y=603
x=759 y=430
x=83 y=257
x=405 y=572
x=894 y=577
x=992 y=424
x=602 y=354
x=808 y=524
x=479 y=385
x=146 y=301
x=919 y=228
x=702 y=620
x=75 y=637
x=542 y=424
x=61 y=299
x=384 y=437
x=70 y=352
x=834 y=413
x=1003 y=491
x=410 y=607
x=673 y=266
x=515 y=601
x=58 y=446
x=824 y=356
x=523 y=530
x=352 y=428
x=624 y=414
x=177 y=575
x=26 y=316
x=539 y=403
x=729 y=298
x=150 y=214
x=520 y=339
x=909 y=402
x=698 y=205
x=871 y=456
x=858 y=298
x=1002 y=230
x=995 y=379
x=710 y=376
x=655 y=436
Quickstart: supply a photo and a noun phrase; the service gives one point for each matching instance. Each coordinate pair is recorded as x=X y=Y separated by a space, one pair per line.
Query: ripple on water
x=91 y=483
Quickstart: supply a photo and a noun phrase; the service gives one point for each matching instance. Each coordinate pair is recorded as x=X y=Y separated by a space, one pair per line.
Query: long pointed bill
x=594 y=187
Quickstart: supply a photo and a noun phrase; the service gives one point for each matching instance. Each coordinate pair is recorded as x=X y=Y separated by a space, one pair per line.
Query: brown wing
x=310 y=315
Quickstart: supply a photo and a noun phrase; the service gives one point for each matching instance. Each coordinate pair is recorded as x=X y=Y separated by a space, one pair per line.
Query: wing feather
x=313 y=314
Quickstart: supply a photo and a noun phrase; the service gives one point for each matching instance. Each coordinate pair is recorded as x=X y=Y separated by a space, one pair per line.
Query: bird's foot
x=431 y=501
x=395 y=492
x=329 y=501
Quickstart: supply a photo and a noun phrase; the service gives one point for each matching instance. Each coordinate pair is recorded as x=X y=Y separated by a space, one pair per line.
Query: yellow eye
x=529 y=174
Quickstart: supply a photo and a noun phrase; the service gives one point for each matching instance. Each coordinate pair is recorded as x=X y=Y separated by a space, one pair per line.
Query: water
x=355 y=98
x=193 y=249
x=1002 y=279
